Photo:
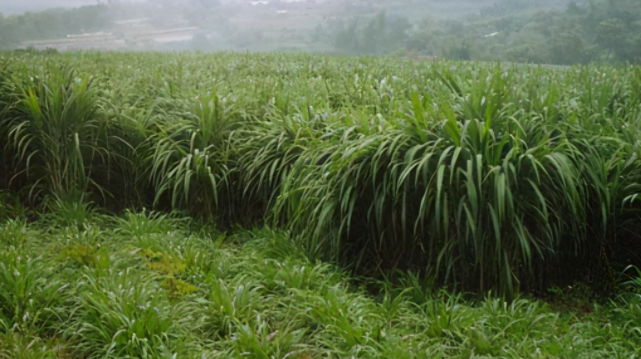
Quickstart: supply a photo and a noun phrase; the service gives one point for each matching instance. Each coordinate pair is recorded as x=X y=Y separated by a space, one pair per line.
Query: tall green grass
x=54 y=133
x=483 y=177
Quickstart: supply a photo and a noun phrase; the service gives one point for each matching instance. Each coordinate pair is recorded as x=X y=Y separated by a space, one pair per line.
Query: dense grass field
x=187 y=205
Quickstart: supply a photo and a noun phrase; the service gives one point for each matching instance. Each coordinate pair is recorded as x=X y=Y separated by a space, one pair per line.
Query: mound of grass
x=495 y=177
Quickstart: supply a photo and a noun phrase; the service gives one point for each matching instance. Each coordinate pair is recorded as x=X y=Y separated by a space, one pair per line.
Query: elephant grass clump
x=481 y=177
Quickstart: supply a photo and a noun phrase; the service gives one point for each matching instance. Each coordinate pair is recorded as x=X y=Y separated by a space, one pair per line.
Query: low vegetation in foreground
x=146 y=285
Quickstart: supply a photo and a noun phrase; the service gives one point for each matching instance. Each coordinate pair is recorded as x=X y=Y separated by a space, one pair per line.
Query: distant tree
x=319 y=34
x=574 y=9
x=527 y=47
x=457 y=49
x=378 y=35
x=374 y=34
x=421 y=38
x=397 y=33
x=566 y=46
x=346 y=38
x=611 y=35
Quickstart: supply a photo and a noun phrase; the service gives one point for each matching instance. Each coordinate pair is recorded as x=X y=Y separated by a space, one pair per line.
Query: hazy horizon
x=14 y=7
x=10 y=7
x=534 y=31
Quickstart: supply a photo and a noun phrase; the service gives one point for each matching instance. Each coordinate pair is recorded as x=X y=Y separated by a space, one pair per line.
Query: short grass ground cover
x=146 y=285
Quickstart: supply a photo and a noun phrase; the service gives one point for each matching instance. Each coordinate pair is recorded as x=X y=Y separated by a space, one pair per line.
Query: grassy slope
x=149 y=286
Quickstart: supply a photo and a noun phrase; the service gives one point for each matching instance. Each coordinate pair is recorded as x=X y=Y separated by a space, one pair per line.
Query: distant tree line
x=53 y=23
x=380 y=34
x=607 y=31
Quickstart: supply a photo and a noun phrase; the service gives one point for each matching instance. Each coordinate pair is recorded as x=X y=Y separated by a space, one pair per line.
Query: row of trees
x=607 y=31
x=378 y=35
x=53 y=23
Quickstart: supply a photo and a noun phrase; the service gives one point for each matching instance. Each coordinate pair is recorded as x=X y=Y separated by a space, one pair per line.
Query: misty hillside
x=438 y=8
x=15 y=7
x=553 y=32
